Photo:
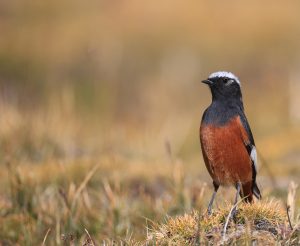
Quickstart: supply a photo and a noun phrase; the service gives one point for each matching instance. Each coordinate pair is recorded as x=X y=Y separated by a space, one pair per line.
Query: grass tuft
x=263 y=222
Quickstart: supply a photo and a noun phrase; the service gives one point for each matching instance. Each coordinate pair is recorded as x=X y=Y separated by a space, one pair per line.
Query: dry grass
x=59 y=186
x=80 y=197
x=264 y=222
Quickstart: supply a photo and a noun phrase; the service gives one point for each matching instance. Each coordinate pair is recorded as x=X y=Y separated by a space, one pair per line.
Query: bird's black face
x=224 y=87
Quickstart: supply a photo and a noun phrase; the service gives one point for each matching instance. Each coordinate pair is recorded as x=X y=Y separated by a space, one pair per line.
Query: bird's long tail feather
x=256 y=191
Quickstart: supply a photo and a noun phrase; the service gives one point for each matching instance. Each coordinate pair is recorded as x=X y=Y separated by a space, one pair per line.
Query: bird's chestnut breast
x=224 y=152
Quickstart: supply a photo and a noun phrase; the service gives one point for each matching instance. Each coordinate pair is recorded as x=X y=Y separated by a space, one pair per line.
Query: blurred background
x=100 y=104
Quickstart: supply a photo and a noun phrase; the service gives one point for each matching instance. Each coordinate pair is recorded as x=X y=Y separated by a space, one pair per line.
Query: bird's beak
x=207 y=81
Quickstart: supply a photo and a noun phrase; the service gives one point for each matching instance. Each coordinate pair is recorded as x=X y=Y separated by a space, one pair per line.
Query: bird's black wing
x=251 y=149
x=247 y=127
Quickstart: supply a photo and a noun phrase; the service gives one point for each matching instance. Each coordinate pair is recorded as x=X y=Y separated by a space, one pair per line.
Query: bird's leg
x=211 y=203
x=216 y=187
x=238 y=190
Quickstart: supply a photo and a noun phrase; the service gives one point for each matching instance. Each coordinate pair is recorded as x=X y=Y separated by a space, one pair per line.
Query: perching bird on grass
x=227 y=143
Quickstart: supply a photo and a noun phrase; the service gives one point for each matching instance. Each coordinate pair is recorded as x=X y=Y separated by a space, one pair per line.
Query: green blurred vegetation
x=117 y=83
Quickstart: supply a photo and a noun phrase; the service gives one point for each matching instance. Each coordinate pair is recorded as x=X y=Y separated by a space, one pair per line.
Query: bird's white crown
x=225 y=74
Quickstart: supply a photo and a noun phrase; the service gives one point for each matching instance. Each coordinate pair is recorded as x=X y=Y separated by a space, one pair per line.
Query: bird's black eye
x=228 y=81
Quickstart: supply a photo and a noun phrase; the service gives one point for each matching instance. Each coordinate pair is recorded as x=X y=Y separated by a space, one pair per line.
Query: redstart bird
x=227 y=143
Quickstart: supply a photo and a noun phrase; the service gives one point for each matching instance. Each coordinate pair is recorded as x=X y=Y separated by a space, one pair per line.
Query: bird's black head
x=224 y=86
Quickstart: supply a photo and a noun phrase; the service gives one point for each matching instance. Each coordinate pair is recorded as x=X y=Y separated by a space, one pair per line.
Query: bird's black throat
x=221 y=111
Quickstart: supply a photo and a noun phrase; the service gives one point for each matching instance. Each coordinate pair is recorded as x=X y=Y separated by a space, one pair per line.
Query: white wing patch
x=253 y=156
x=224 y=74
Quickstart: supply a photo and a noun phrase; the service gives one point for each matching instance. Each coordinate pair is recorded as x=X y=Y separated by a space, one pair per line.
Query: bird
x=226 y=139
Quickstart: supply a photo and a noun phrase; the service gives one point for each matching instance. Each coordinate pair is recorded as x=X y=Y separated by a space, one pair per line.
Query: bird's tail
x=248 y=190
x=256 y=191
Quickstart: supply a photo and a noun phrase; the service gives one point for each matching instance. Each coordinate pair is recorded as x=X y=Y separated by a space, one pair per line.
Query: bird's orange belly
x=225 y=154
